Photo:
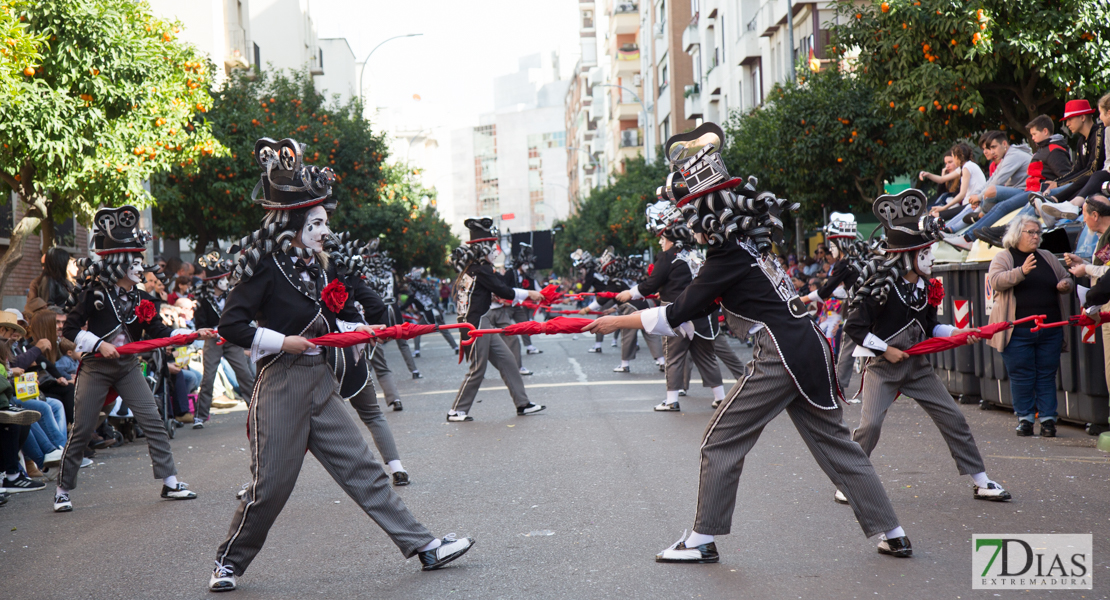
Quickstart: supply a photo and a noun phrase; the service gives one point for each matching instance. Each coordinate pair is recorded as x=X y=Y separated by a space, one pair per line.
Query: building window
x=665 y=129
x=485 y=170
x=587 y=19
x=755 y=85
x=663 y=79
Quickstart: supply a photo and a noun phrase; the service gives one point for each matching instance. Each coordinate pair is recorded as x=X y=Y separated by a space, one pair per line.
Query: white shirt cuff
x=86 y=341
x=942 y=330
x=860 y=351
x=266 y=342
x=654 y=320
x=635 y=291
x=346 y=327
x=873 y=342
x=594 y=306
x=521 y=296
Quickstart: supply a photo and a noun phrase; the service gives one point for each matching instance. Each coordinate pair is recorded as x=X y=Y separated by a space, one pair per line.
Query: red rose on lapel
x=145 y=311
x=936 y=292
x=334 y=296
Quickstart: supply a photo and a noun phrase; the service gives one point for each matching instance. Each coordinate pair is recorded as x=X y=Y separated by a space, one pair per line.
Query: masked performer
x=288 y=287
x=106 y=311
x=521 y=274
x=675 y=267
x=592 y=281
x=422 y=297
x=474 y=291
x=622 y=273
x=211 y=299
x=792 y=366
x=892 y=311
x=379 y=275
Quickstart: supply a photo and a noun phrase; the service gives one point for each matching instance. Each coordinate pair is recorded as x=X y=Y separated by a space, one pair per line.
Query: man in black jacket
x=1071 y=190
x=792 y=366
x=592 y=281
x=110 y=311
x=212 y=296
x=474 y=291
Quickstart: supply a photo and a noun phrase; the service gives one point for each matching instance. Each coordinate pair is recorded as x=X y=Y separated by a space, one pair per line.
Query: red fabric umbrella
x=551 y=294
x=556 y=325
x=404 y=331
x=940 y=344
x=148 y=345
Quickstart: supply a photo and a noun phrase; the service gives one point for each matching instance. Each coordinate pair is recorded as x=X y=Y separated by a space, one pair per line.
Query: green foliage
x=612 y=215
x=212 y=201
x=952 y=67
x=19 y=49
x=822 y=142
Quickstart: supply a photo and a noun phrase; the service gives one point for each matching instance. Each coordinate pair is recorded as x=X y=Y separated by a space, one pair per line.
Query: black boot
x=1024 y=428
x=1048 y=428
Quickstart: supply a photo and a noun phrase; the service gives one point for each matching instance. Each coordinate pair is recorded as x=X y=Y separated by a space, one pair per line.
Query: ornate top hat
x=698 y=169
x=116 y=230
x=908 y=226
x=607 y=258
x=581 y=258
x=481 y=229
x=841 y=225
x=661 y=216
x=214 y=267
x=415 y=273
x=287 y=183
x=525 y=256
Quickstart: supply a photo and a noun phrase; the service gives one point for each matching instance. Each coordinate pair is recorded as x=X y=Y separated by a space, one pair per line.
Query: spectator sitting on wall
x=54 y=284
x=948 y=180
x=1011 y=165
x=972 y=182
x=1070 y=190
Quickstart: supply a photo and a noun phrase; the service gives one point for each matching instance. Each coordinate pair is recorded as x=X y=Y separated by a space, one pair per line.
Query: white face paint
x=315 y=229
x=834 y=250
x=923 y=263
x=135 y=270
x=221 y=284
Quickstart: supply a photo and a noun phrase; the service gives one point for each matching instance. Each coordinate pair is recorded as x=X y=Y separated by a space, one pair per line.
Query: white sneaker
x=86 y=462
x=62 y=503
x=525 y=371
x=1059 y=210
x=840 y=497
x=665 y=407
x=1038 y=202
x=53 y=457
x=458 y=417
x=115 y=412
x=958 y=241
x=223 y=579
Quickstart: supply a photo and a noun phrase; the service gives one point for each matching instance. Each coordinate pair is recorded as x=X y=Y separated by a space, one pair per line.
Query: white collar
x=920 y=281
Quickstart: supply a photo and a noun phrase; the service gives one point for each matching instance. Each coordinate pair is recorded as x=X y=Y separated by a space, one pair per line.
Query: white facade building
x=219 y=28
x=338 y=72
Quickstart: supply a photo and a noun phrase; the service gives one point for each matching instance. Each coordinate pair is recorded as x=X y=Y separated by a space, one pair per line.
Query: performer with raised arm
x=894 y=308
x=106 y=310
x=212 y=296
x=592 y=281
x=850 y=253
x=520 y=274
x=675 y=267
x=286 y=285
x=792 y=366
x=474 y=291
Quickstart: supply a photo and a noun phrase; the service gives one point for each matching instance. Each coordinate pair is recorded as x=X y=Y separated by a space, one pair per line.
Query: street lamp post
x=649 y=149
x=363 y=69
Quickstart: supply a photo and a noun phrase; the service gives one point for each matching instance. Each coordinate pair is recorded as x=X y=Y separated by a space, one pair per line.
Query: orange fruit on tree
x=921 y=108
x=885 y=7
x=29 y=71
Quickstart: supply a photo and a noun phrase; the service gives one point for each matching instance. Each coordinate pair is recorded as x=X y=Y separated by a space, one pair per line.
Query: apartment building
x=667 y=69
x=585 y=139
x=219 y=28
x=627 y=111
x=741 y=48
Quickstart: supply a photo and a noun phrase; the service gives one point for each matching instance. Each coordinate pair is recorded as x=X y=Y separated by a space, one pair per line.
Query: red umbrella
x=148 y=345
x=940 y=344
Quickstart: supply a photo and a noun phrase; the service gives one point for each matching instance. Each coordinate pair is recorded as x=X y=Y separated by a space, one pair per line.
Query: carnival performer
x=286 y=284
x=354 y=378
x=850 y=253
x=474 y=291
x=894 y=308
x=379 y=275
x=422 y=297
x=674 y=268
x=622 y=275
x=521 y=274
x=211 y=298
x=592 y=281
x=792 y=366
x=107 y=310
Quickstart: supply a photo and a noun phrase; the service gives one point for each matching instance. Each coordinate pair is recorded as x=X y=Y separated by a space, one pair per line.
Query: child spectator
x=67 y=364
x=181 y=287
x=1052 y=160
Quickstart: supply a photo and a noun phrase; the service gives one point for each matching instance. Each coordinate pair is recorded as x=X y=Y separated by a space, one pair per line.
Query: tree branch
x=11 y=181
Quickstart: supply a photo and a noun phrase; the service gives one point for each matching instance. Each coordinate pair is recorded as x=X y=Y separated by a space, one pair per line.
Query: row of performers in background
x=294 y=279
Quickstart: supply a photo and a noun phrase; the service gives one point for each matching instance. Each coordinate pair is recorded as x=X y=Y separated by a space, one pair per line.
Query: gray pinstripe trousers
x=915 y=378
x=844 y=363
x=94 y=378
x=213 y=352
x=749 y=406
x=502 y=316
x=489 y=349
x=520 y=315
x=628 y=338
x=296 y=406
x=725 y=354
x=369 y=411
x=384 y=376
x=701 y=351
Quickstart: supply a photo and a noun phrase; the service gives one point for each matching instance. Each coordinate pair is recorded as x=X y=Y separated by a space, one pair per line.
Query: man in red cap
x=1071 y=190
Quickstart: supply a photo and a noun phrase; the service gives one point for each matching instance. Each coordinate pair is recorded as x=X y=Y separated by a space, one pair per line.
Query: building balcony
x=626 y=63
x=631 y=138
x=716 y=80
x=626 y=111
x=691 y=105
x=625 y=18
x=627 y=153
x=691 y=38
x=237 y=56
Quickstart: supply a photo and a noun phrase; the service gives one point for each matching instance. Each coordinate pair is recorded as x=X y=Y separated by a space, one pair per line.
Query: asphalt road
x=572 y=503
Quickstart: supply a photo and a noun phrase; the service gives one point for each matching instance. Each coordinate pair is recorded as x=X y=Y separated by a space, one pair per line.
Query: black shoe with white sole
x=400 y=478
x=622 y=370
x=535 y=351
x=531 y=409
x=681 y=393
x=459 y=418
x=180 y=491
x=416 y=354
x=62 y=503
x=679 y=553
x=667 y=407
x=662 y=367
x=992 y=491
x=898 y=547
x=223 y=579
x=21 y=484
x=594 y=350
x=840 y=498
x=417 y=375
x=242 y=491
x=449 y=550
x=524 y=372
x=716 y=403
x=397 y=407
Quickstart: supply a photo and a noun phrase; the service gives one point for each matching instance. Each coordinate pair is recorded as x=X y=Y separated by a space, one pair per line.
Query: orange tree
x=211 y=202
x=19 y=49
x=612 y=215
x=823 y=142
x=114 y=100
x=952 y=67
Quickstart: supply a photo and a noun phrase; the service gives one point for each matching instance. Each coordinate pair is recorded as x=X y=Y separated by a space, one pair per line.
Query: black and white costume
x=286 y=290
x=101 y=311
x=792 y=367
x=422 y=296
x=592 y=281
x=211 y=299
x=623 y=273
x=474 y=291
x=520 y=274
x=892 y=309
x=379 y=275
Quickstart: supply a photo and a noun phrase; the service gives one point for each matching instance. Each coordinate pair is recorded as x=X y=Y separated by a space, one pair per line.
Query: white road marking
x=578 y=372
x=532 y=386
